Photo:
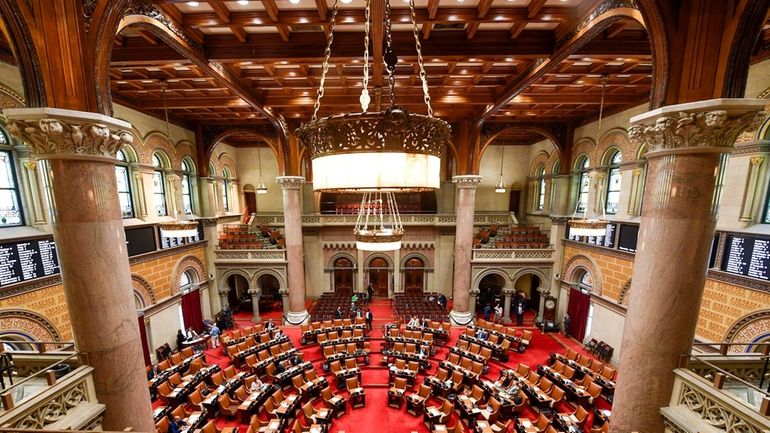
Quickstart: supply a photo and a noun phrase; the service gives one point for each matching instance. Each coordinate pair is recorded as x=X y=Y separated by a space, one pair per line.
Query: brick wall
x=160 y=272
x=723 y=304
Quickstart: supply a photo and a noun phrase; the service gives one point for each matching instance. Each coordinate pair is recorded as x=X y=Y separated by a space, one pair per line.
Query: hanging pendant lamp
x=500 y=187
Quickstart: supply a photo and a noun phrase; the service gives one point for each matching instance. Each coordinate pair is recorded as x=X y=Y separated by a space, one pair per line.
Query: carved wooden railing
x=512 y=255
x=250 y=256
x=312 y=220
x=698 y=406
x=68 y=404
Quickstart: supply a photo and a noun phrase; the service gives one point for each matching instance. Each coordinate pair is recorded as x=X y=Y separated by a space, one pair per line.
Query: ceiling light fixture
x=261 y=188
x=500 y=187
x=177 y=228
x=376 y=153
x=294 y=2
x=193 y=4
x=591 y=227
x=243 y=2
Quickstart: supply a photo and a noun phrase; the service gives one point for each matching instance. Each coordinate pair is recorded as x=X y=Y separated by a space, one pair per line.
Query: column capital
x=508 y=292
x=55 y=133
x=757 y=160
x=290 y=182
x=711 y=123
x=209 y=222
x=223 y=290
x=255 y=292
x=466 y=180
x=560 y=220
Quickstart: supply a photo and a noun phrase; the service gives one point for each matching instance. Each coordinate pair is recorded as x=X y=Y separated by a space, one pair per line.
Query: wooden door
x=414 y=276
x=379 y=276
x=250 y=197
x=343 y=275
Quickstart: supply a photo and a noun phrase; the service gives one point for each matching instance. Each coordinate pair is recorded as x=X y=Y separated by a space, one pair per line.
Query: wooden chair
x=603 y=429
x=594 y=391
x=317 y=416
x=435 y=415
x=162 y=425
x=336 y=402
x=396 y=393
x=227 y=406
x=357 y=393
x=542 y=423
x=164 y=391
x=415 y=403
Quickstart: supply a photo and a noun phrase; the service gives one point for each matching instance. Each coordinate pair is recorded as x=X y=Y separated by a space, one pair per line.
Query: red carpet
x=377 y=416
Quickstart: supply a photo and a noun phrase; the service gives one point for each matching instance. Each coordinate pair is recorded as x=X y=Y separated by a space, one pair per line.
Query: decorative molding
x=625 y=293
x=752 y=147
x=599 y=249
x=738 y=280
x=693 y=129
x=58 y=133
x=603 y=8
x=560 y=220
x=146 y=8
x=466 y=181
x=714 y=412
x=144 y=288
x=757 y=319
x=290 y=182
x=29 y=286
x=208 y=221
x=30 y=323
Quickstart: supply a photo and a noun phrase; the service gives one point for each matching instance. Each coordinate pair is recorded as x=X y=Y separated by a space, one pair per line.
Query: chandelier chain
x=325 y=65
x=366 y=46
x=389 y=50
x=420 y=62
x=164 y=87
x=604 y=79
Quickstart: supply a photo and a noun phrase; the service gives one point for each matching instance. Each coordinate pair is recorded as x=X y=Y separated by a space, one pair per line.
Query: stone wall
x=723 y=305
x=613 y=271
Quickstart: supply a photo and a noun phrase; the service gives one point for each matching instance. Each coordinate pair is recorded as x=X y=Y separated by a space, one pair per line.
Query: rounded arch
x=585 y=147
x=522 y=272
x=227 y=165
x=185 y=150
x=751 y=328
x=491 y=271
x=143 y=290
x=609 y=155
x=14 y=27
x=10 y=99
x=28 y=323
x=539 y=161
x=578 y=263
x=341 y=255
x=188 y=165
x=277 y=150
x=385 y=257
x=617 y=138
x=413 y=255
x=230 y=272
x=529 y=128
x=263 y=272
x=158 y=144
x=130 y=153
x=187 y=263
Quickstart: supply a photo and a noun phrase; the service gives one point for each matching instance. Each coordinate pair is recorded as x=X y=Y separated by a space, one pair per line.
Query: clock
x=549 y=309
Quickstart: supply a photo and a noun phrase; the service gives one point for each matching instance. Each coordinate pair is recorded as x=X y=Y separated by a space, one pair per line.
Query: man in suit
x=520 y=313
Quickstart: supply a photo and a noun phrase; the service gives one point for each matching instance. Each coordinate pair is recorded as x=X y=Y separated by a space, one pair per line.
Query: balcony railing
x=250 y=256
x=510 y=255
x=311 y=220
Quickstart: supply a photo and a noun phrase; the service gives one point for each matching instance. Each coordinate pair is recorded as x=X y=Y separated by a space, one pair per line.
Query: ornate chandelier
x=376 y=153
x=592 y=227
x=500 y=187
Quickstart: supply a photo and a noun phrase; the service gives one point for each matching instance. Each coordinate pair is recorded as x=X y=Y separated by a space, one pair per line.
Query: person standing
x=214 y=332
x=519 y=313
x=498 y=312
x=487 y=311
x=370 y=291
x=565 y=324
x=179 y=339
x=369 y=318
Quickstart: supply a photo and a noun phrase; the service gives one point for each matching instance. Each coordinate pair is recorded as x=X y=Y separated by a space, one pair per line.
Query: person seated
x=191 y=333
x=257 y=385
x=175 y=424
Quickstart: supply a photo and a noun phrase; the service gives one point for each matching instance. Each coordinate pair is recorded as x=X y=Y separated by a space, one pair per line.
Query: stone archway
x=751 y=328
x=269 y=286
x=28 y=324
x=143 y=292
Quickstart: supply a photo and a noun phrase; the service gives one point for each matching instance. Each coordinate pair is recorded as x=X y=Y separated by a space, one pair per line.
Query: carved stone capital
x=508 y=292
x=284 y=292
x=30 y=164
x=757 y=160
x=474 y=292
x=712 y=123
x=255 y=292
x=67 y=134
x=290 y=182
x=466 y=181
x=209 y=222
x=223 y=290
x=559 y=220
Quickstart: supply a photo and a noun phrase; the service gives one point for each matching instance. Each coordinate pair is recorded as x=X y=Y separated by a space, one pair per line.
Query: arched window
x=583 y=183
x=10 y=200
x=225 y=192
x=187 y=280
x=187 y=202
x=159 y=186
x=554 y=173
x=612 y=201
x=124 y=185
x=540 y=188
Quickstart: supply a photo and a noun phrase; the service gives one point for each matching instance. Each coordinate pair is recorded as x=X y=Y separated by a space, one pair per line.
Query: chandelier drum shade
x=588 y=227
x=390 y=150
x=179 y=229
x=376 y=153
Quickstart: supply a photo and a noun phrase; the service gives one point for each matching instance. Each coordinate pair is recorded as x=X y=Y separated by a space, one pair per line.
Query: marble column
x=255 y=294
x=292 y=223
x=211 y=234
x=462 y=308
x=285 y=301
x=685 y=143
x=472 y=294
x=206 y=206
x=91 y=246
x=508 y=293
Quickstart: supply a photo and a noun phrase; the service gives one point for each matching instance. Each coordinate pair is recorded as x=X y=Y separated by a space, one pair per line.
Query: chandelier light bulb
x=193 y=4
x=365 y=99
x=243 y=2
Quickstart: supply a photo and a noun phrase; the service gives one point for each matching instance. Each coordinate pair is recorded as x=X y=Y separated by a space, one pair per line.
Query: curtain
x=578 y=306
x=191 y=310
x=143 y=336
